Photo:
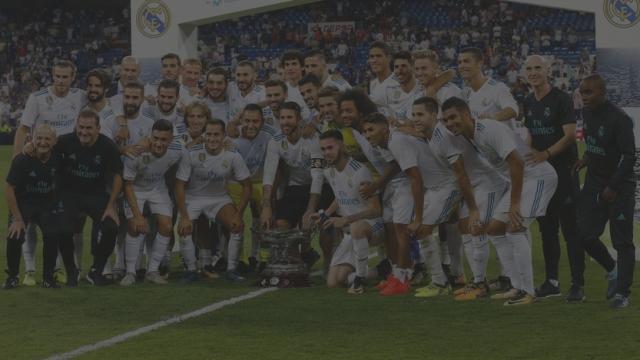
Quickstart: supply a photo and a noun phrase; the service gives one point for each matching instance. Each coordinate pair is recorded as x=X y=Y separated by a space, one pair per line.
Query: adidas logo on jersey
x=32 y=174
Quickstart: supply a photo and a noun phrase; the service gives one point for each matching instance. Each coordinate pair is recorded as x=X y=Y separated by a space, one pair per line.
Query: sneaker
x=60 y=276
x=12 y=282
x=209 y=272
x=521 y=299
x=116 y=275
x=190 y=276
x=128 y=280
x=463 y=289
x=73 y=278
x=96 y=279
x=507 y=295
x=433 y=290
x=501 y=284
x=357 y=286
x=547 y=289
x=155 y=277
x=619 y=302
x=29 y=279
x=234 y=276
x=395 y=287
x=473 y=292
x=50 y=284
x=253 y=265
x=164 y=269
x=576 y=294
x=612 y=285
x=310 y=258
x=458 y=281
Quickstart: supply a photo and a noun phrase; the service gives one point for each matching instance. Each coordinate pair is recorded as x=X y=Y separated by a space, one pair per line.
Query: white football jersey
x=377 y=89
x=346 y=186
x=44 y=107
x=496 y=141
x=139 y=128
x=492 y=97
x=254 y=151
x=433 y=158
x=398 y=103
x=482 y=175
x=237 y=102
x=108 y=121
x=147 y=172
x=304 y=161
x=219 y=110
x=207 y=175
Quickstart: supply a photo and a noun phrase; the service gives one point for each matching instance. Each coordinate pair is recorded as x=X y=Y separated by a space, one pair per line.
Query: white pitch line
x=145 y=329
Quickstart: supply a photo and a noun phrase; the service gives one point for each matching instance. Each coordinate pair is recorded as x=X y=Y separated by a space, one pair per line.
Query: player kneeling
x=201 y=188
x=360 y=218
x=145 y=184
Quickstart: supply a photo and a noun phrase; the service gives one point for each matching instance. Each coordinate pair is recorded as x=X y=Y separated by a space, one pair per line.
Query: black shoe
x=547 y=289
x=72 y=278
x=576 y=294
x=97 y=279
x=261 y=266
x=12 y=282
x=50 y=284
x=357 y=287
x=253 y=265
x=501 y=284
x=164 y=269
x=384 y=268
x=221 y=265
x=310 y=257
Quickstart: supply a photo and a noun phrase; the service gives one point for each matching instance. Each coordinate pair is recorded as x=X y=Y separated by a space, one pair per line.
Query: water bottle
x=323 y=218
x=414 y=249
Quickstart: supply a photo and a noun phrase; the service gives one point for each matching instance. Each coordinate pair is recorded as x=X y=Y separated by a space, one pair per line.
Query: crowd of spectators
x=32 y=38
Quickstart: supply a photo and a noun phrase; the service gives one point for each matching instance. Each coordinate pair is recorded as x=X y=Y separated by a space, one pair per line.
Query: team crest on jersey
x=97 y=159
x=153 y=18
x=146 y=159
x=547 y=112
x=485 y=102
x=202 y=157
x=285 y=145
x=225 y=164
x=601 y=131
x=396 y=94
x=49 y=101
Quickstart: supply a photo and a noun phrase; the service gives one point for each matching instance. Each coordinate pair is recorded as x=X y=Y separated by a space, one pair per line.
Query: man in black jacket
x=608 y=191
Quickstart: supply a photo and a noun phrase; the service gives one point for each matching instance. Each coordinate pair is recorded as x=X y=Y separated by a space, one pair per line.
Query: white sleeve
x=405 y=154
x=317 y=166
x=184 y=169
x=117 y=105
x=30 y=113
x=130 y=169
x=271 y=162
x=505 y=98
x=450 y=148
x=240 y=170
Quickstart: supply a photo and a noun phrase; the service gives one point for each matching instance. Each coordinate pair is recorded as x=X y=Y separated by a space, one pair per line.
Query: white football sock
x=523 y=262
x=504 y=249
x=233 y=251
x=432 y=254
x=454 y=241
x=120 y=255
x=361 y=249
x=188 y=250
x=205 y=257
x=158 y=252
x=78 y=247
x=131 y=251
x=29 y=248
x=480 y=257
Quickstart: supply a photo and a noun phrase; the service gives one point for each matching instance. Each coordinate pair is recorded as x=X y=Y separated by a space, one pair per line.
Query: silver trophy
x=284 y=267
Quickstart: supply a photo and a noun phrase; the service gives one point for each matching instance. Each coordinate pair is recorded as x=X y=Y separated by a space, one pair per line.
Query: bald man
x=607 y=195
x=549 y=119
x=29 y=192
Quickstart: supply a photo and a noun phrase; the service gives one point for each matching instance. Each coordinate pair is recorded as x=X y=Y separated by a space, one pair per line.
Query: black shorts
x=293 y=204
x=93 y=205
x=47 y=216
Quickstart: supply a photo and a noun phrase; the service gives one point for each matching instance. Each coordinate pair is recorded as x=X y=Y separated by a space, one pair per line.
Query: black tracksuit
x=610 y=155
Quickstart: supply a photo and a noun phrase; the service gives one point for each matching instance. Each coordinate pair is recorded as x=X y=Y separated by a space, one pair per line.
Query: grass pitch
x=312 y=323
